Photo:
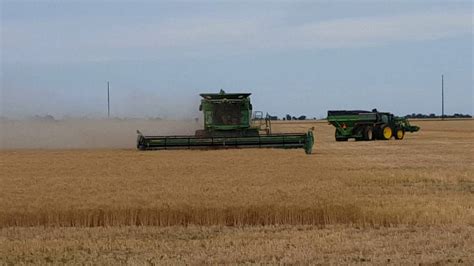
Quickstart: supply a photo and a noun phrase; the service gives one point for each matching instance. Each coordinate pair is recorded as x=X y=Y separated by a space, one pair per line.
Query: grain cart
x=365 y=125
x=227 y=124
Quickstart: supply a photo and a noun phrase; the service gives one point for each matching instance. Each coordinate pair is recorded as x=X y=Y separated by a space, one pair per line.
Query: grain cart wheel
x=399 y=133
x=368 y=133
x=377 y=131
x=360 y=132
x=386 y=132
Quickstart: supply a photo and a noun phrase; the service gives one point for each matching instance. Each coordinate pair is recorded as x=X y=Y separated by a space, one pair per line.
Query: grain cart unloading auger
x=227 y=124
x=365 y=125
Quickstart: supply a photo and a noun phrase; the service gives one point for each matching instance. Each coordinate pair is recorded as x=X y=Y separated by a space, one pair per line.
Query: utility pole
x=442 y=97
x=108 y=99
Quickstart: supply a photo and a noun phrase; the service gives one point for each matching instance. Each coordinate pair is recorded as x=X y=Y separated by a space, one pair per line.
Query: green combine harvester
x=365 y=125
x=228 y=124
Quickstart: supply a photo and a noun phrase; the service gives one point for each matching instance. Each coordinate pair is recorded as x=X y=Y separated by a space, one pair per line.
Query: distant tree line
x=414 y=115
x=289 y=117
x=456 y=115
x=42 y=118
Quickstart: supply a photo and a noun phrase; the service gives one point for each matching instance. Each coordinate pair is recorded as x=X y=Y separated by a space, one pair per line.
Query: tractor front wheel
x=399 y=133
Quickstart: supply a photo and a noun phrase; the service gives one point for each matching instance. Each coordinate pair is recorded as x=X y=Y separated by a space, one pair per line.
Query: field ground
x=437 y=245
x=404 y=201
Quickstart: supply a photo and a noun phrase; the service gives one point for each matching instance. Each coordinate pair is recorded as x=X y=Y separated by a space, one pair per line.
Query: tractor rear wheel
x=399 y=133
x=386 y=132
x=368 y=133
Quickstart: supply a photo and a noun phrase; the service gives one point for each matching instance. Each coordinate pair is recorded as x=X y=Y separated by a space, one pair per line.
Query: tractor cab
x=386 y=118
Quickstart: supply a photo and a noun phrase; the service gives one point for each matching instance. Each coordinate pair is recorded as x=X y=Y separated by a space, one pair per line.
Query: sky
x=295 y=57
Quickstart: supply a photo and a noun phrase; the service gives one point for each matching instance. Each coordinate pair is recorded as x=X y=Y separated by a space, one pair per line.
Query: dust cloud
x=86 y=133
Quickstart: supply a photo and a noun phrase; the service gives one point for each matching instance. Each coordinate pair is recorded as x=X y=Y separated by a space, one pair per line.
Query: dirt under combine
x=228 y=124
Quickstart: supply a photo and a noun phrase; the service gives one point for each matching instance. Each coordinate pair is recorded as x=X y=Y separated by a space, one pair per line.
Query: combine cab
x=365 y=125
x=227 y=124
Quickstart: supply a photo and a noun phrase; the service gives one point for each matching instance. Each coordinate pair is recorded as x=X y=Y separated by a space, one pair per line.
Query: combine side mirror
x=200 y=107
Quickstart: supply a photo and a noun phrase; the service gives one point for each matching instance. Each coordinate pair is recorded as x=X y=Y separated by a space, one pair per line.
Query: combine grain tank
x=365 y=125
x=227 y=124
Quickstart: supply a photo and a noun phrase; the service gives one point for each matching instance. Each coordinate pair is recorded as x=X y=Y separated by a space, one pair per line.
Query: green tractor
x=366 y=125
x=228 y=124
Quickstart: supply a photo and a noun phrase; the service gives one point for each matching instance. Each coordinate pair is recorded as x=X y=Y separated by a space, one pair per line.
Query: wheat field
x=340 y=245
x=423 y=184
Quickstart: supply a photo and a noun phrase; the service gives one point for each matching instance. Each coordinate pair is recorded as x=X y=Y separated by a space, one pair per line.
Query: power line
x=108 y=99
x=442 y=97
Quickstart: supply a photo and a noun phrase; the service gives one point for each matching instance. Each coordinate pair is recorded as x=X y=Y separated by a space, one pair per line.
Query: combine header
x=365 y=125
x=228 y=124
